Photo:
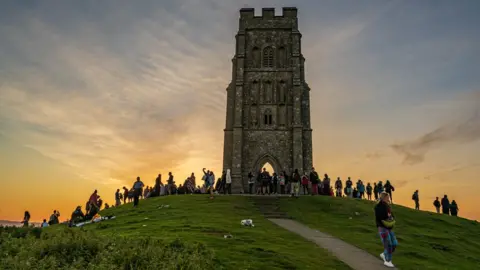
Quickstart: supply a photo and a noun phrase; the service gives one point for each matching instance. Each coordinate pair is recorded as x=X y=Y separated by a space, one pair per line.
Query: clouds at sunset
x=100 y=92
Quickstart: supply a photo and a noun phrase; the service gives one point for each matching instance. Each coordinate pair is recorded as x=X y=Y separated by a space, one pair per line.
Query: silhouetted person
x=251 y=183
x=326 y=185
x=338 y=187
x=170 y=183
x=274 y=183
x=26 y=219
x=314 y=179
x=454 y=208
x=348 y=188
x=416 y=199
x=369 y=191
x=137 y=191
x=125 y=194
x=117 y=198
x=305 y=181
x=445 y=205
x=389 y=189
x=375 y=191
x=437 y=205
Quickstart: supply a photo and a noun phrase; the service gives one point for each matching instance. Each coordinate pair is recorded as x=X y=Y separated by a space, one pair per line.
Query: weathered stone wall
x=268 y=104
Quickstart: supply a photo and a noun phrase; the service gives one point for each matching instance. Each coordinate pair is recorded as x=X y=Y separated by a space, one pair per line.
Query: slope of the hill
x=196 y=219
x=426 y=240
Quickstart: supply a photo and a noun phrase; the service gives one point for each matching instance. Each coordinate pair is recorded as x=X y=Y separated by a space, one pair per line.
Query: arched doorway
x=268 y=162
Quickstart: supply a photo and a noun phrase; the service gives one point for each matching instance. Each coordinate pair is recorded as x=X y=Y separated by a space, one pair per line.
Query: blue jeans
x=389 y=242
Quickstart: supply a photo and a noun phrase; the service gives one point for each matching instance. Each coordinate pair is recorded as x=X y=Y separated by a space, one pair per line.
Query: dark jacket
x=314 y=177
x=382 y=211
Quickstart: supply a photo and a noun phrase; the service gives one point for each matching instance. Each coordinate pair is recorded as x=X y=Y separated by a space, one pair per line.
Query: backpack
x=414 y=196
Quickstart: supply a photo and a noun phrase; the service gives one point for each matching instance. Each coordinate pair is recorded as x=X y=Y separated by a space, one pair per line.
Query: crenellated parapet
x=268 y=19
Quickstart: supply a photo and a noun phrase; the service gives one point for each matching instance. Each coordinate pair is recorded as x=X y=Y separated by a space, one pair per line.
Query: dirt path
x=354 y=257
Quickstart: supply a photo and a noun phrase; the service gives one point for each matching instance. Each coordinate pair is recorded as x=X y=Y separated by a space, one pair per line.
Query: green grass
x=196 y=219
x=426 y=240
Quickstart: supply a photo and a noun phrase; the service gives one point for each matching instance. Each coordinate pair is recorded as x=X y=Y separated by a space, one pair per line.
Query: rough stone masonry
x=268 y=100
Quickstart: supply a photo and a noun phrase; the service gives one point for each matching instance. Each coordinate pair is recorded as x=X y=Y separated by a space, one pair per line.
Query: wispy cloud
x=462 y=130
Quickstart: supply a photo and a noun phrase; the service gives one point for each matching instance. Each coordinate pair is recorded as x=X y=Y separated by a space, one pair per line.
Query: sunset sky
x=95 y=93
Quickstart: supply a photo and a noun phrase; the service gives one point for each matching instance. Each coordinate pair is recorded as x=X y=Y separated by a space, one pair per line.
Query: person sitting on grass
x=77 y=216
x=385 y=222
x=44 y=223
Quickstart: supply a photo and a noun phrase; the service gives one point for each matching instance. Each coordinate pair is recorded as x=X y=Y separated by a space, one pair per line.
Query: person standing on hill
x=385 y=222
x=274 y=188
x=445 y=205
x=416 y=198
x=361 y=189
x=454 y=209
x=117 y=198
x=389 y=188
x=314 y=179
x=375 y=191
x=348 y=188
x=369 y=192
x=305 y=181
x=281 y=180
x=326 y=185
x=437 y=205
x=125 y=195
x=170 y=183
x=137 y=191
x=338 y=187
x=26 y=219
x=228 y=181
x=251 y=183
x=295 y=183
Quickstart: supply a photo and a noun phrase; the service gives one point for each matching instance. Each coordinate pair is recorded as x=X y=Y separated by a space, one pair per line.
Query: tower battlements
x=268 y=19
x=269 y=13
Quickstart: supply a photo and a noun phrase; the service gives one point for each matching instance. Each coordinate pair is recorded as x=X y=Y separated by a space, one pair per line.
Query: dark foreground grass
x=426 y=240
x=196 y=219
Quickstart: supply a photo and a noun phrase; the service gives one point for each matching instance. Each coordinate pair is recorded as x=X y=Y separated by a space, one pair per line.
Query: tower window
x=267 y=117
x=268 y=57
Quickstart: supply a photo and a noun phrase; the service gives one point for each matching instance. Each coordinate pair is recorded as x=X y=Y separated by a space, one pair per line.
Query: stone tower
x=268 y=100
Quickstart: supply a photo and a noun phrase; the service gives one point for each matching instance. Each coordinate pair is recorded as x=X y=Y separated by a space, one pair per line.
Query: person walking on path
x=228 y=181
x=137 y=191
x=385 y=222
x=416 y=199
x=454 y=209
x=445 y=205
x=437 y=205
x=295 y=183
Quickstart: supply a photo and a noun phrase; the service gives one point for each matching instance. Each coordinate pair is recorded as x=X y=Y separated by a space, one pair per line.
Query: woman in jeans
x=385 y=222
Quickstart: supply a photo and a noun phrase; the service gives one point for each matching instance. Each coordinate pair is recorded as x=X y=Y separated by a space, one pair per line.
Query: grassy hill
x=196 y=219
x=190 y=234
x=426 y=240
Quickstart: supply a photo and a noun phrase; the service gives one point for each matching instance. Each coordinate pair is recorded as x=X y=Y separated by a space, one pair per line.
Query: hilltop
x=427 y=240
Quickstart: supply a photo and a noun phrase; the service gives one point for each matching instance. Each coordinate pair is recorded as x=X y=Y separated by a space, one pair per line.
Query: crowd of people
x=263 y=183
